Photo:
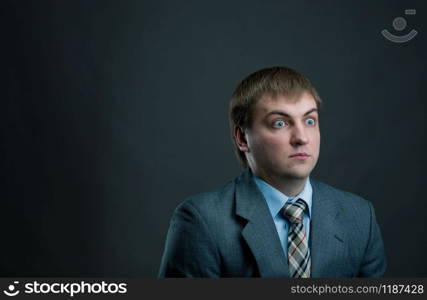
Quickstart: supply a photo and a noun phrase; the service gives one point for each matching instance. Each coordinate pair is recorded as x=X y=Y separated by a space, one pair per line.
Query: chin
x=292 y=176
x=300 y=176
x=296 y=175
x=293 y=172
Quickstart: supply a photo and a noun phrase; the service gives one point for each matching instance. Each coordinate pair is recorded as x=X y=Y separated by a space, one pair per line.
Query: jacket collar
x=326 y=236
x=261 y=235
x=260 y=232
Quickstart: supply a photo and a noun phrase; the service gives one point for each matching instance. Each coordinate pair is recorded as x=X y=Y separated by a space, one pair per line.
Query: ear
x=240 y=138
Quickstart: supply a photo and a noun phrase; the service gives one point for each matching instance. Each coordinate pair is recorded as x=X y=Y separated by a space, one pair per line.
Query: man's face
x=284 y=138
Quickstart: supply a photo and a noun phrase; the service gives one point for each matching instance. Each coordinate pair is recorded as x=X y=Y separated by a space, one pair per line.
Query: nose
x=299 y=136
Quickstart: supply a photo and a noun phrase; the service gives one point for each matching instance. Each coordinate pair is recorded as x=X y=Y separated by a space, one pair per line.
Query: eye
x=279 y=124
x=310 y=122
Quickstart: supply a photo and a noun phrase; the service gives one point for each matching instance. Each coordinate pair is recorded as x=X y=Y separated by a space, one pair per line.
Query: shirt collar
x=276 y=199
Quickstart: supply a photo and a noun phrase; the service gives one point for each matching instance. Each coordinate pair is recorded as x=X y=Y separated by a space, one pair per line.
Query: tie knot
x=294 y=212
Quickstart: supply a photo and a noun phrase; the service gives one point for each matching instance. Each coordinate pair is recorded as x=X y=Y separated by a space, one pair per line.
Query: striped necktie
x=298 y=251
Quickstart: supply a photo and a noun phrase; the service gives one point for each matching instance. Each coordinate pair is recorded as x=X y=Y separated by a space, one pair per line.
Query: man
x=273 y=220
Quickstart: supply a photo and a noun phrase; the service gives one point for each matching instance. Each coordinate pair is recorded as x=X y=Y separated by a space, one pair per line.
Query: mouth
x=300 y=155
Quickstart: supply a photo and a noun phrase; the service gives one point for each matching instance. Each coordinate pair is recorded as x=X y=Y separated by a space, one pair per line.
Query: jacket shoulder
x=211 y=200
x=344 y=199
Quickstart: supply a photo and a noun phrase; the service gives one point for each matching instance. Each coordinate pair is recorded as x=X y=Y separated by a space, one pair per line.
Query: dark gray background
x=113 y=112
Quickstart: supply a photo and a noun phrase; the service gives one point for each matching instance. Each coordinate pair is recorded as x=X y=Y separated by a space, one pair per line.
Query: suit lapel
x=260 y=232
x=327 y=240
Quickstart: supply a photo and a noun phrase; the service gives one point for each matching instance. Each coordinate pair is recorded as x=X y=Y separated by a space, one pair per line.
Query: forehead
x=294 y=105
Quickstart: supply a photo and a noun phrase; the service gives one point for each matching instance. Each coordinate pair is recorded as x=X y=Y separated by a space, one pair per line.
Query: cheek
x=316 y=141
x=270 y=144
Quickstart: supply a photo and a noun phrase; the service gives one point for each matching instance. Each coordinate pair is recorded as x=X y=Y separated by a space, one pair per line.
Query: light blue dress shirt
x=276 y=200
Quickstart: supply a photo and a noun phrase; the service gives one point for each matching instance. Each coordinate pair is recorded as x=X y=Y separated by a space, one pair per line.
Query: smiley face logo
x=399 y=24
x=11 y=290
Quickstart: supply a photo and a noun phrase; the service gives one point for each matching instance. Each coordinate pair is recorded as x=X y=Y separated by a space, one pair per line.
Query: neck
x=288 y=186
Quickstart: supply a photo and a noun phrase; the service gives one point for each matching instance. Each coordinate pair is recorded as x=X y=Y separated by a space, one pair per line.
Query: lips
x=300 y=155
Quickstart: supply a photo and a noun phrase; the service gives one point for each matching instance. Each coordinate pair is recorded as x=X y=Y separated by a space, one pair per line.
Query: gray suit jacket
x=229 y=232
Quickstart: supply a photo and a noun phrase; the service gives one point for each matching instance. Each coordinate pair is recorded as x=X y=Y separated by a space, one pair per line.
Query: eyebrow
x=282 y=113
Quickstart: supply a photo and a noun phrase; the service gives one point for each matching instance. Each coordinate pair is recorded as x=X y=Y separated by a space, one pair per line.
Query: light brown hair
x=272 y=82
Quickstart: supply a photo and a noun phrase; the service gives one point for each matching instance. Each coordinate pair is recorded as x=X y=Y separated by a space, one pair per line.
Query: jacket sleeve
x=374 y=260
x=190 y=250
